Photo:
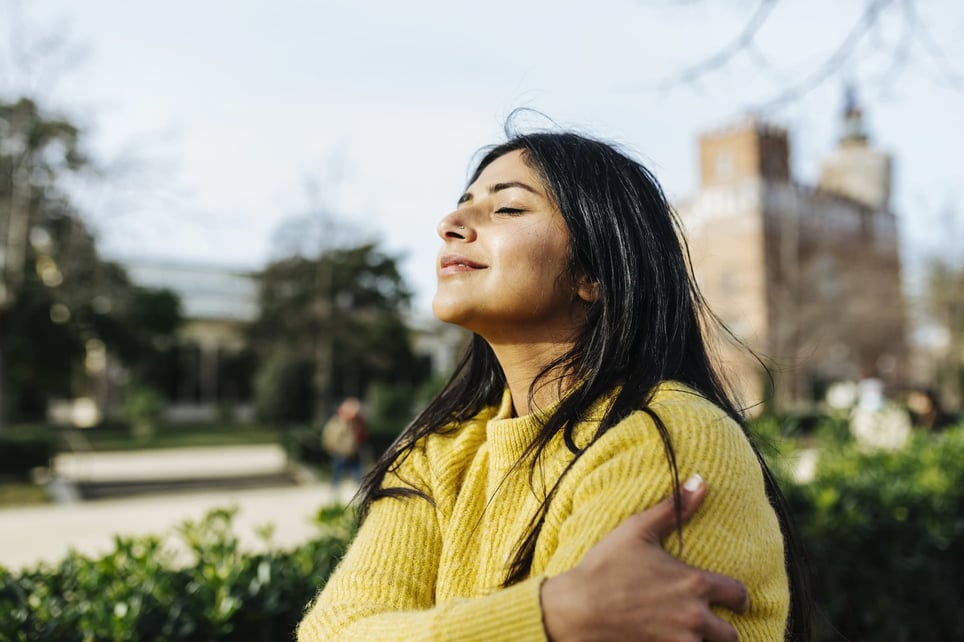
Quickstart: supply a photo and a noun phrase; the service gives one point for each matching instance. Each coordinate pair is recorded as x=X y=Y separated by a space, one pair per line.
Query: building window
x=724 y=165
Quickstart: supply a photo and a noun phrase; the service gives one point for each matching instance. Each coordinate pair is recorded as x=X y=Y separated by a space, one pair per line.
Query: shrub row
x=204 y=589
x=23 y=449
x=884 y=530
x=885 y=537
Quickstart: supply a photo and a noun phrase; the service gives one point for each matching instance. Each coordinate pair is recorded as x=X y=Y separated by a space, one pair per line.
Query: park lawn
x=183 y=435
x=21 y=493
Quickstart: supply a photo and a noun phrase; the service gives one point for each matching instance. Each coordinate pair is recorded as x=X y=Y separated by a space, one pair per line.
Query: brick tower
x=808 y=278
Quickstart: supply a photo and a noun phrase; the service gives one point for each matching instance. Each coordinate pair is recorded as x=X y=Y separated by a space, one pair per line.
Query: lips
x=454 y=264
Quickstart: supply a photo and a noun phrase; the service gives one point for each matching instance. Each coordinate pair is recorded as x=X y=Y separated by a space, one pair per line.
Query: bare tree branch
x=721 y=58
x=32 y=61
x=901 y=51
x=835 y=61
x=763 y=63
x=865 y=40
x=952 y=76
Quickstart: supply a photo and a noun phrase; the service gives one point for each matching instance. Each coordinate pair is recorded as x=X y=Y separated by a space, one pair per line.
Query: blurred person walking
x=343 y=437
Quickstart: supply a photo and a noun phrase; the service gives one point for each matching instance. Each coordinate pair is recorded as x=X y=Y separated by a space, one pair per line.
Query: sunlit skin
x=502 y=273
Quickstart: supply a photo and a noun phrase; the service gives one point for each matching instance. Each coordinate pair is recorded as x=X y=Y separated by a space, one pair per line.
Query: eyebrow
x=498 y=187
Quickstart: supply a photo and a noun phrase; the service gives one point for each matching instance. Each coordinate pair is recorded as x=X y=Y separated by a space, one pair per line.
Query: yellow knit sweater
x=422 y=572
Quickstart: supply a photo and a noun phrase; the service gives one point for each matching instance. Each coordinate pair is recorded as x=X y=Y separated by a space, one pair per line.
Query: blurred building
x=213 y=368
x=807 y=277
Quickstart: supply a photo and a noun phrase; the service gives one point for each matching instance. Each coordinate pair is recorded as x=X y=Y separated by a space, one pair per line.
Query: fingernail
x=693 y=483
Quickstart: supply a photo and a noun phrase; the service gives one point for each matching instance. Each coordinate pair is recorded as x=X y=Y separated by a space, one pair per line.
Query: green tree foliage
x=58 y=298
x=283 y=388
x=330 y=327
x=23 y=449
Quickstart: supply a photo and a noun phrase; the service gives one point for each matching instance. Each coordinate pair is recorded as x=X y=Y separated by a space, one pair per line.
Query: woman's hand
x=628 y=588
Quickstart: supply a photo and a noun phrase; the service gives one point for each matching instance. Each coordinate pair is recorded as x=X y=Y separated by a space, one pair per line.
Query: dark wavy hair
x=645 y=327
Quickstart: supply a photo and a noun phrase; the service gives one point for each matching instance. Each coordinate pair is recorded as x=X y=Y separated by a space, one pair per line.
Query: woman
x=525 y=501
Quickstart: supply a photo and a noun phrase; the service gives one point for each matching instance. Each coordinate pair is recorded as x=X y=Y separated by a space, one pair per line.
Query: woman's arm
x=624 y=589
x=734 y=534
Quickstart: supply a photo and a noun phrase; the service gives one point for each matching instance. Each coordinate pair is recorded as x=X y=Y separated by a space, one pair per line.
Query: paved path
x=33 y=534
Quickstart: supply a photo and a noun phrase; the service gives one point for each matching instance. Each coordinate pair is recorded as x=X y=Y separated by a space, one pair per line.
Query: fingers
x=716 y=629
x=713 y=589
x=659 y=522
x=691 y=493
x=726 y=592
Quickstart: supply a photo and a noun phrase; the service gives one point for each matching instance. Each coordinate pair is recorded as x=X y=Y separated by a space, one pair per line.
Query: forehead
x=511 y=166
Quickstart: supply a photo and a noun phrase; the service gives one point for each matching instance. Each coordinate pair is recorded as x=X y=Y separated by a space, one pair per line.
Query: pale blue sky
x=230 y=106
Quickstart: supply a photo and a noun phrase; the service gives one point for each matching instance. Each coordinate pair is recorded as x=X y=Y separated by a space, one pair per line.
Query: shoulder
x=694 y=426
x=681 y=426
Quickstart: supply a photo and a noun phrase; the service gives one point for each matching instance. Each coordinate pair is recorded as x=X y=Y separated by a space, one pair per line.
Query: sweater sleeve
x=735 y=532
x=384 y=588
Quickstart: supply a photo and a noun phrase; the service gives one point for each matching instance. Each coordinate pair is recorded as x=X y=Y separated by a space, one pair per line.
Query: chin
x=449 y=311
x=443 y=310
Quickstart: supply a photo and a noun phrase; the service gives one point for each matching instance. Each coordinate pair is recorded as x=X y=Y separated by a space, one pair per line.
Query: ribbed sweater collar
x=509 y=436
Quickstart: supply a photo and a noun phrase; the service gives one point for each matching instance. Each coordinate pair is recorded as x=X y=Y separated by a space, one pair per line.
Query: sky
x=215 y=122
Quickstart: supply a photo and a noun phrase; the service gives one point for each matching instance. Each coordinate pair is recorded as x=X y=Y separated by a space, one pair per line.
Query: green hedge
x=22 y=449
x=885 y=533
x=143 y=591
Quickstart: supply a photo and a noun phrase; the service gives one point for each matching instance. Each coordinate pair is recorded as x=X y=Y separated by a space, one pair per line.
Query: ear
x=586 y=290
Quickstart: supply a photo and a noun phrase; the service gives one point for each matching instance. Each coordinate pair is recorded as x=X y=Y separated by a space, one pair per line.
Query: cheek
x=545 y=261
x=531 y=255
x=554 y=252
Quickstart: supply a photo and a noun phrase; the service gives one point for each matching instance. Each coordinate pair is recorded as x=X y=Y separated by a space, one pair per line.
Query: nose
x=456 y=226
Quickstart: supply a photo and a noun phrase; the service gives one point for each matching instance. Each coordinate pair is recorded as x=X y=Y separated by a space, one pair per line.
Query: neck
x=521 y=364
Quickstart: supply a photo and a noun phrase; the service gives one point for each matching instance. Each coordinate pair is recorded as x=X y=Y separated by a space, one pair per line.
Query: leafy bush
x=884 y=532
x=145 y=589
x=303 y=443
x=142 y=409
x=390 y=408
x=788 y=431
x=282 y=390
x=885 y=535
x=23 y=449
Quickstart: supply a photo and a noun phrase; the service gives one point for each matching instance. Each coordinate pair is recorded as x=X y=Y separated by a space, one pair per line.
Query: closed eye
x=511 y=211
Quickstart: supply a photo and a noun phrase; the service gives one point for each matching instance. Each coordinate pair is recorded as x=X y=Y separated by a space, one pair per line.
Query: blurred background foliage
x=61 y=304
x=330 y=322
x=330 y=326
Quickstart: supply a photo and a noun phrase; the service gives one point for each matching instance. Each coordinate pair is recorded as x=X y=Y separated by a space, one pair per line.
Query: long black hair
x=644 y=327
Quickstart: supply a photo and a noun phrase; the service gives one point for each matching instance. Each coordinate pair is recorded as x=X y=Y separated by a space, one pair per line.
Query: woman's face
x=502 y=266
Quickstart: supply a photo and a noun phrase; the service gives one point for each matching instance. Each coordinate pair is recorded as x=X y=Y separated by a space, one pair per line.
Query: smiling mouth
x=452 y=264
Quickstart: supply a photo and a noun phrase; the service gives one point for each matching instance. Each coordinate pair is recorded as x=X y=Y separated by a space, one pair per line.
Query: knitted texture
x=421 y=572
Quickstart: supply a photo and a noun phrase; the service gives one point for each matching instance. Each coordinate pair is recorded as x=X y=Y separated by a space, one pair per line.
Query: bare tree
x=915 y=45
x=34 y=58
x=317 y=235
